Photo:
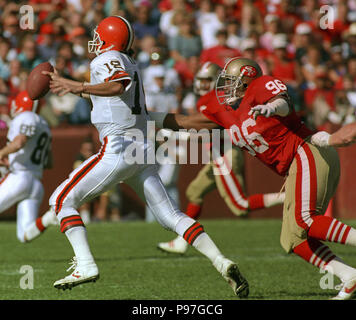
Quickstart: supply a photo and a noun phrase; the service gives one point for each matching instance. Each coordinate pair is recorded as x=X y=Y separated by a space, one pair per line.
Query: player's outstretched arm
x=343 y=137
x=61 y=86
x=277 y=106
x=176 y=121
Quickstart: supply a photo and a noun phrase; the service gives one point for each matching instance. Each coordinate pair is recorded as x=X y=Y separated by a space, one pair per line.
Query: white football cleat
x=232 y=275
x=177 y=245
x=81 y=274
x=348 y=290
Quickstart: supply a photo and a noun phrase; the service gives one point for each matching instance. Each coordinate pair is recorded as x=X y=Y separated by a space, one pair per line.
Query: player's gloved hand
x=267 y=110
x=320 y=139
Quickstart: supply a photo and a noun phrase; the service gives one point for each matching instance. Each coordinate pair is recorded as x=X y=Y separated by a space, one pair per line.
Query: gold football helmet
x=205 y=78
x=234 y=79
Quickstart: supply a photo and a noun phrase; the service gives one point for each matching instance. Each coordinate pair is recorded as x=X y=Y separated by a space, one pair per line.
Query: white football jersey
x=33 y=156
x=118 y=115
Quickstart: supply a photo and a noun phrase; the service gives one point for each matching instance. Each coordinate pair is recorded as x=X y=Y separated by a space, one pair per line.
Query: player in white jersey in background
x=116 y=92
x=26 y=154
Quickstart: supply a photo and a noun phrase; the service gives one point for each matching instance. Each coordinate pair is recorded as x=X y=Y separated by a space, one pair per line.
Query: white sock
x=207 y=247
x=77 y=237
x=340 y=269
x=351 y=238
x=202 y=243
x=272 y=199
x=48 y=218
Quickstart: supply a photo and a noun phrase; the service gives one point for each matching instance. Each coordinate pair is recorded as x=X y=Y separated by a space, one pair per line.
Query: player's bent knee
x=194 y=193
x=288 y=243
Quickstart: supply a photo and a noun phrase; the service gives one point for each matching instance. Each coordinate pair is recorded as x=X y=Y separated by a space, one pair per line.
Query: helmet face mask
x=234 y=79
x=94 y=46
x=228 y=88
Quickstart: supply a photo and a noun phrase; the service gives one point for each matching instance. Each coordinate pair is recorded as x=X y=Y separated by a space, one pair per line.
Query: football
x=37 y=84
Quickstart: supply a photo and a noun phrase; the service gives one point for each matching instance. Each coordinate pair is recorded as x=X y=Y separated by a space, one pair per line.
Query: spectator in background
x=187 y=43
x=320 y=101
x=17 y=78
x=10 y=29
x=251 y=18
x=67 y=58
x=272 y=27
x=302 y=39
x=47 y=44
x=143 y=25
x=172 y=18
x=288 y=15
x=312 y=64
x=187 y=71
x=336 y=65
x=158 y=97
x=172 y=82
x=345 y=100
x=79 y=41
x=233 y=38
x=4 y=62
x=210 y=22
x=220 y=53
x=146 y=45
x=350 y=40
x=29 y=57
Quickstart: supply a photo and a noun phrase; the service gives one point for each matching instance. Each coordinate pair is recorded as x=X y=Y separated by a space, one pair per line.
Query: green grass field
x=132 y=268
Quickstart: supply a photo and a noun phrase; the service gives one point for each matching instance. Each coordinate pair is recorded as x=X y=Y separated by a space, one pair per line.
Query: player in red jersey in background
x=229 y=182
x=266 y=125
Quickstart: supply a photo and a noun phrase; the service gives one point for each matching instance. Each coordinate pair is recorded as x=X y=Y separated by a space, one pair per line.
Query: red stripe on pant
x=300 y=199
x=70 y=222
x=79 y=176
x=192 y=233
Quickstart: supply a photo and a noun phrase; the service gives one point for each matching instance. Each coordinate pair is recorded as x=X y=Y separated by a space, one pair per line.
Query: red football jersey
x=273 y=140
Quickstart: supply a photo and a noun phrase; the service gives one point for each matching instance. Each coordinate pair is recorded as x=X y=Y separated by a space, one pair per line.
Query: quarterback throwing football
x=116 y=92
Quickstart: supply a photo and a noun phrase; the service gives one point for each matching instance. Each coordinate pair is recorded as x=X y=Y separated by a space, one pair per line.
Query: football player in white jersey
x=26 y=154
x=118 y=111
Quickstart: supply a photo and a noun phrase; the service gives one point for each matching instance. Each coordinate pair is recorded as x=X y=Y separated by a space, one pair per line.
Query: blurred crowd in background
x=173 y=38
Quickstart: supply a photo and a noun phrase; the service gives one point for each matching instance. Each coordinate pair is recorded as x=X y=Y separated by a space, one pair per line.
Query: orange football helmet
x=112 y=33
x=22 y=103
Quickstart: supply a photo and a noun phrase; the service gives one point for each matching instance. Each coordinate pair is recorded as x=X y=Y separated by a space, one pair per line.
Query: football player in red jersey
x=230 y=182
x=266 y=125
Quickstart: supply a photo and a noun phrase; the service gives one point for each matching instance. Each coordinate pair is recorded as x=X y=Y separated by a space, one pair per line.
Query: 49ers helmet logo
x=248 y=71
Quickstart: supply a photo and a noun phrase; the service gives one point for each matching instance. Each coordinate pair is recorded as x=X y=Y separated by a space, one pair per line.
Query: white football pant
x=25 y=190
x=111 y=165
